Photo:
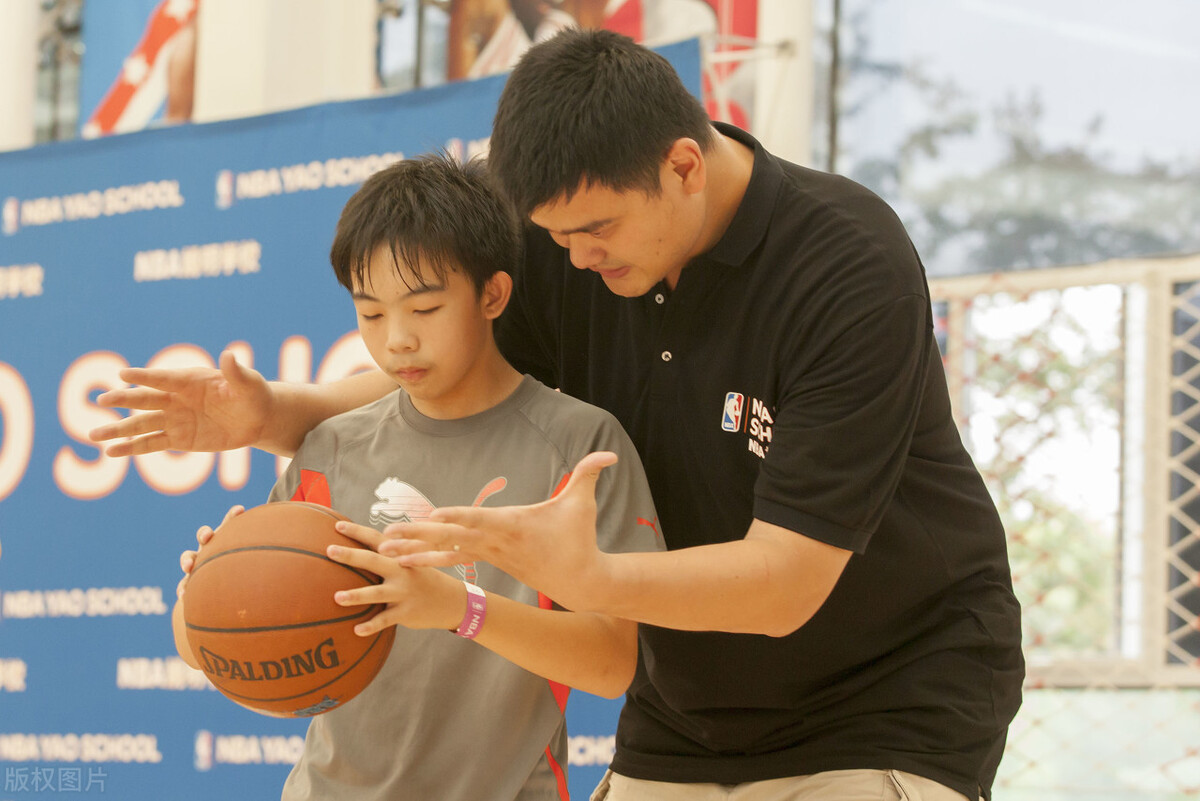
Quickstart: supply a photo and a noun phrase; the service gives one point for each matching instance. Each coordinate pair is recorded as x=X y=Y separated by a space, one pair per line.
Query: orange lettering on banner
x=16 y=433
x=77 y=477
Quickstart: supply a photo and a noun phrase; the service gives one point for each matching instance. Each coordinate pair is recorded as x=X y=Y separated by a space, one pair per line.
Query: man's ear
x=685 y=164
x=496 y=294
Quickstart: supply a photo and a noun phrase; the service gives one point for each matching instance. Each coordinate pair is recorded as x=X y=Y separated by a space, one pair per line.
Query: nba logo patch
x=731 y=418
x=203 y=750
x=12 y=215
x=224 y=189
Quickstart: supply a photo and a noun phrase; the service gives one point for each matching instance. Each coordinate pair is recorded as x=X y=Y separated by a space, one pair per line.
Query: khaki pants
x=834 y=785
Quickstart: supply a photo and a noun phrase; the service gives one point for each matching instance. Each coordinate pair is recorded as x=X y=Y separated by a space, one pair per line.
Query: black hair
x=436 y=215
x=590 y=107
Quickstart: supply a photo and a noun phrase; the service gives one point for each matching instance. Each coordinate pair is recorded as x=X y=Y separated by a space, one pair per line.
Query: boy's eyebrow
x=421 y=290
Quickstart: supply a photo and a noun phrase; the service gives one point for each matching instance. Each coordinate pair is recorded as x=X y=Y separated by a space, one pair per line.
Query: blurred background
x=1045 y=158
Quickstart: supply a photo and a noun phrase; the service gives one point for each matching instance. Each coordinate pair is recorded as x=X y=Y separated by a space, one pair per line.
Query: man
x=834 y=617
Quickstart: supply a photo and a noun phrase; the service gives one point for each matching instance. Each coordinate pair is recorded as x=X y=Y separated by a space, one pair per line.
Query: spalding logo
x=323 y=657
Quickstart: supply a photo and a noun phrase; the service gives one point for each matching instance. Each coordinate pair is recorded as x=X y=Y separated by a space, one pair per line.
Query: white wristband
x=472 y=621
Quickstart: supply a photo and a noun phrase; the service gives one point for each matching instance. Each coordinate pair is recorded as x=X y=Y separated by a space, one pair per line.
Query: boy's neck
x=490 y=383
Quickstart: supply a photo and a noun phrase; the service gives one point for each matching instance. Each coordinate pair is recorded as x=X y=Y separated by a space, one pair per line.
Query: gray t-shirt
x=446 y=718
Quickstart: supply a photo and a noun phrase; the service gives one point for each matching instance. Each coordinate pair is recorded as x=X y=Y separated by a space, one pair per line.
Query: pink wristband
x=472 y=621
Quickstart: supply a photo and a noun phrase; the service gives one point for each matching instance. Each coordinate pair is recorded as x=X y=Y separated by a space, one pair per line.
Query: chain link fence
x=1078 y=394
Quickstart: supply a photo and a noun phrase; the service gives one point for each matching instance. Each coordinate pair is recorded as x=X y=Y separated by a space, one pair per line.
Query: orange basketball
x=261 y=619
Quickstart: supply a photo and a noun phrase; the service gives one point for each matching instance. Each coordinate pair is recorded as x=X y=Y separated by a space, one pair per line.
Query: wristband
x=472 y=621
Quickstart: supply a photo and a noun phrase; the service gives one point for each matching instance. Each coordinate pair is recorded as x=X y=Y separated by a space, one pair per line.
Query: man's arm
x=202 y=409
x=770 y=582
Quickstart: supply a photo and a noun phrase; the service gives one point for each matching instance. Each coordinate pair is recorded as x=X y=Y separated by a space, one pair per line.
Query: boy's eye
x=367 y=316
x=428 y=310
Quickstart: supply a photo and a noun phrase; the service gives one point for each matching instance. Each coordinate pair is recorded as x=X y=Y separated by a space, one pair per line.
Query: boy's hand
x=193 y=409
x=187 y=559
x=550 y=546
x=416 y=598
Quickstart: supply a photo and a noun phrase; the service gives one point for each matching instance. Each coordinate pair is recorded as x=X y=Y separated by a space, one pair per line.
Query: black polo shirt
x=792 y=376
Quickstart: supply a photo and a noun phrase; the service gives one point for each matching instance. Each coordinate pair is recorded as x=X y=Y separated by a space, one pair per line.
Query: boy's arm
x=590 y=652
x=202 y=409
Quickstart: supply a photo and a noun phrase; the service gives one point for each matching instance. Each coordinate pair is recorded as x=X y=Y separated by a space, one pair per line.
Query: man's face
x=432 y=339
x=633 y=240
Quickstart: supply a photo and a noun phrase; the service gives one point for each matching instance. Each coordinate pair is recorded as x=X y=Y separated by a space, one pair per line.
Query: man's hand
x=550 y=546
x=194 y=409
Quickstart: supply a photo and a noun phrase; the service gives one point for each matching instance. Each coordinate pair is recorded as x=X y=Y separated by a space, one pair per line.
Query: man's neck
x=729 y=165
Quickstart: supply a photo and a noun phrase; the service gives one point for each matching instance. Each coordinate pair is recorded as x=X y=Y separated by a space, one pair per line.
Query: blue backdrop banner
x=163 y=248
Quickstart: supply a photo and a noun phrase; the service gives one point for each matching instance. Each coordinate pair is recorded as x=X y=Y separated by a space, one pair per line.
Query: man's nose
x=585 y=253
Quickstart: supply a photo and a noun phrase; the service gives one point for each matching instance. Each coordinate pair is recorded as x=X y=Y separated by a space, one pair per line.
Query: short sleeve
x=844 y=426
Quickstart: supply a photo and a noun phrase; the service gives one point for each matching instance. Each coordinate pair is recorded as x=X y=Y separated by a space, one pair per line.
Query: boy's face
x=434 y=340
x=631 y=239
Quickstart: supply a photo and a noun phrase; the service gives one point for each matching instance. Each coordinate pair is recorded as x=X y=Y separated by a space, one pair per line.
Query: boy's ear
x=496 y=293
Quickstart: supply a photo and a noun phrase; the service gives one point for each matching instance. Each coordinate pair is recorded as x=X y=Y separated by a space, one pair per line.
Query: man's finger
x=434 y=559
x=587 y=472
x=403 y=547
x=142 y=423
x=134 y=398
x=150 y=443
x=441 y=536
x=155 y=379
x=232 y=369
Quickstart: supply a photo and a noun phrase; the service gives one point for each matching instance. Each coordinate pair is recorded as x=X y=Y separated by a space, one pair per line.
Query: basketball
x=261 y=619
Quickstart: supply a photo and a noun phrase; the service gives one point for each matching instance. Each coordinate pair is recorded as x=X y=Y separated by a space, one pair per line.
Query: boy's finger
x=360 y=557
x=361 y=596
x=364 y=534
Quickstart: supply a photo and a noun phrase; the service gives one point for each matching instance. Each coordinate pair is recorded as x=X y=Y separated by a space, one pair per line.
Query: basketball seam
x=371 y=577
x=282 y=626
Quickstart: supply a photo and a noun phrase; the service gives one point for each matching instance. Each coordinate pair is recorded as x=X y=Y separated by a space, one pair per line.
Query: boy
x=423 y=247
